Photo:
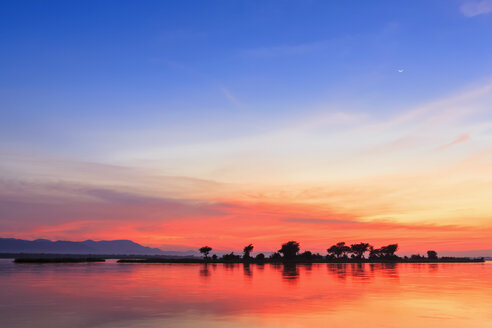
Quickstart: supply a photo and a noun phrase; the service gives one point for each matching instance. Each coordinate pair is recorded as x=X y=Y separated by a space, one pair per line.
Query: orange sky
x=422 y=179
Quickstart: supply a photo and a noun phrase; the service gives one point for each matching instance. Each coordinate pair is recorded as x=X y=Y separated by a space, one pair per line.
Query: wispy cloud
x=378 y=224
x=458 y=140
x=319 y=221
x=230 y=96
x=473 y=8
x=340 y=44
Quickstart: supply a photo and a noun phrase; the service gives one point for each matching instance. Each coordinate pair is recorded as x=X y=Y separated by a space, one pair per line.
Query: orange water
x=195 y=295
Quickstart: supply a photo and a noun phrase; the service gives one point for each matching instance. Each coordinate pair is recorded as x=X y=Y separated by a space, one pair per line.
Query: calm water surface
x=218 y=295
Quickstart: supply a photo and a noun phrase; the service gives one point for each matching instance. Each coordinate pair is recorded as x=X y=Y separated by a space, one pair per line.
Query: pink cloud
x=458 y=140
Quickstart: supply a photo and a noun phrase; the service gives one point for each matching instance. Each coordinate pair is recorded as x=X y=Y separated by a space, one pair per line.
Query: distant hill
x=107 y=247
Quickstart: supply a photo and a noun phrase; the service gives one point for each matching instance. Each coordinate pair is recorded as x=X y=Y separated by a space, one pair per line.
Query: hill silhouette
x=123 y=247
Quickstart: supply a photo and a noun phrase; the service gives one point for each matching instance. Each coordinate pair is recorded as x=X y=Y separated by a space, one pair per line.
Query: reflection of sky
x=122 y=295
x=168 y=123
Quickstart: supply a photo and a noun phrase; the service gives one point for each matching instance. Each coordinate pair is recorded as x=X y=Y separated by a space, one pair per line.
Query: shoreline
x=370 y=261
x=142 y=259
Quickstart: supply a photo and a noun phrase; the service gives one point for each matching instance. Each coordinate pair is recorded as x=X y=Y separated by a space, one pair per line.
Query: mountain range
x=106 y=247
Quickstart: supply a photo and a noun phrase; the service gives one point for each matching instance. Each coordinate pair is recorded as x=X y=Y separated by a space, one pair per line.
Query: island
x=289 y=252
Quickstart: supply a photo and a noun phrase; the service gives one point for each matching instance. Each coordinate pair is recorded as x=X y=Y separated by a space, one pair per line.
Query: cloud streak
x=229 y=96
x=458 y=140
x=472 y=8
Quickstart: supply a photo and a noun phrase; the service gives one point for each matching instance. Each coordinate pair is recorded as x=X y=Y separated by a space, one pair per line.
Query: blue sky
x=236 y=65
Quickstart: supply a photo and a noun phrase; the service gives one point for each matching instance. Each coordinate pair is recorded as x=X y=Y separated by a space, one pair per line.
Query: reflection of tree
x=342 y=271
x=308 y=267
x=276 y=266
x=260 y=266
x=338 y=269
x=290 y=272
x=230 y=266
x=390 y=270
x=358 y=271
x=247 y=270
x=204 y=271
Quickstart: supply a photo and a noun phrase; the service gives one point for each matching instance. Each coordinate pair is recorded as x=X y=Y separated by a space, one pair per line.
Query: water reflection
x=290 y=272
x=245 y=295
x=339 y=270
x=390 y=270
x=205 y=271
x=247 y=270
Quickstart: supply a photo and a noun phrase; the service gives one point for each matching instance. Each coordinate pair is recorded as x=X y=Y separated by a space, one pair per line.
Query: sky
x=182 y=123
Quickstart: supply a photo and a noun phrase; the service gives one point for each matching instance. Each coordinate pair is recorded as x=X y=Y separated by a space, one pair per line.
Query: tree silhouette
x=289 y=249
x=374 y=252
x=339 y=250
x=247 y=251
x=306 y=256
x=260 y=257
x=432 y=255
x=333 y=250
x=205 y=250
x=359 y=249
x=276 y=256
x=389 y=250
x=231 y=257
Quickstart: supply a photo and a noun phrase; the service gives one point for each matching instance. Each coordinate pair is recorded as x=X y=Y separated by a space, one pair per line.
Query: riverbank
x=440 y=260
x=63 y=258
